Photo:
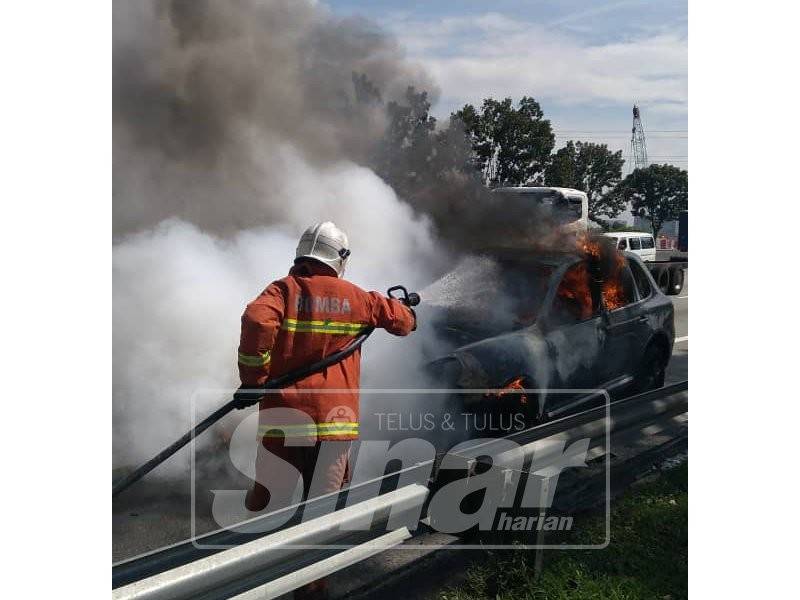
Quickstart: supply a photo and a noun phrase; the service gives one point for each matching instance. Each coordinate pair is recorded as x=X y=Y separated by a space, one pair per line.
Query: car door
x=626 y=327
x=574 y=334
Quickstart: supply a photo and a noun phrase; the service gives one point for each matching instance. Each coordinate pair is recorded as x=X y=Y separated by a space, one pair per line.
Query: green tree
x=591 y=168
x=407 y=149
x=510 y=146
x=619 y=226
x=657 y=193
x=452 y=156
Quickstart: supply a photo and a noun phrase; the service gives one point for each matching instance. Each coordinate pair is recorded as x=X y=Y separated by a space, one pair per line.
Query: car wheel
x=652 y=370
x=675 y=281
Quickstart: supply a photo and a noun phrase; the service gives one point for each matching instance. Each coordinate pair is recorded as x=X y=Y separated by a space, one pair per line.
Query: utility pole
x=638 y=144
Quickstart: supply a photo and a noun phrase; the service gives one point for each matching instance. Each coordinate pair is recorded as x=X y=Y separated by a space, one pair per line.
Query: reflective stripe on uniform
x=249 y=360
x=331 y=327
x=309 y=430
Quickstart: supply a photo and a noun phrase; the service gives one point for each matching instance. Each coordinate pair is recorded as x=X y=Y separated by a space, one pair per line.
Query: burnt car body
x=547 y=323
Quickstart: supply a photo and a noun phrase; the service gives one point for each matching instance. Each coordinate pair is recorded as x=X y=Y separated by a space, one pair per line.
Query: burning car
x=563 y=324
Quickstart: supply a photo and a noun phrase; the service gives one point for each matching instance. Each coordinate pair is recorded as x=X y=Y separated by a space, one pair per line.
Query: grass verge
x=646 y=559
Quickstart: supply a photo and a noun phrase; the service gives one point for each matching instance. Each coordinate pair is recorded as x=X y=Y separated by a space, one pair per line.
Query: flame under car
x=545 y=333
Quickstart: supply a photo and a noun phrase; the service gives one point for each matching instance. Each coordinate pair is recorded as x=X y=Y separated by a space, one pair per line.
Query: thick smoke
x=236 y=126
x=207 y=93
x=238 y=123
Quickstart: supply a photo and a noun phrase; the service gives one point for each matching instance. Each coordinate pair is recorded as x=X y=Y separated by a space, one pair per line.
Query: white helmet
x=326 y=243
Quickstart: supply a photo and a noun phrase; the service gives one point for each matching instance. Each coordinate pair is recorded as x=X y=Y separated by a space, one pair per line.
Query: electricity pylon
x=638 y=144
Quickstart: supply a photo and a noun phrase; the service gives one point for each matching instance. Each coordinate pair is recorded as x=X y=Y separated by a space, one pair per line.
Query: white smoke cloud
x=179 y=293
x=237 y=125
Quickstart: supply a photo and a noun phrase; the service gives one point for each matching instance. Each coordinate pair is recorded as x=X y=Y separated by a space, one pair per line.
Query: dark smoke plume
x=236 y=124
x=207 y=94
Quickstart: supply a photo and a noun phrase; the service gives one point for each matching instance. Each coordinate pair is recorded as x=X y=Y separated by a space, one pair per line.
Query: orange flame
x=514 y=384
x=613 y=295
x=576 y=286
x=587 y=246
x=613 y=292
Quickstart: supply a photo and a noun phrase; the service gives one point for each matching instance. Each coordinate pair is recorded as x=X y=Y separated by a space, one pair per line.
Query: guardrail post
x=544 y=493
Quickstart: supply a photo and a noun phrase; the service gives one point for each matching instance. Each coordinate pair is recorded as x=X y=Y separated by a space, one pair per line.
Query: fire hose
x=244 y=398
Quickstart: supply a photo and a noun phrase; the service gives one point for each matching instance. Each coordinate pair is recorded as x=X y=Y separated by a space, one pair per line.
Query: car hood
x=486 y=354
x=457 y=327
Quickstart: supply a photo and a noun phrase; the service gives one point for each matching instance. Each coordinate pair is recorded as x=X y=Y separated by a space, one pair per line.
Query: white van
x=638 y=242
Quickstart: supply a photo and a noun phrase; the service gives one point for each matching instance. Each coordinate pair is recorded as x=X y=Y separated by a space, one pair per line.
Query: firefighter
x=298 y=320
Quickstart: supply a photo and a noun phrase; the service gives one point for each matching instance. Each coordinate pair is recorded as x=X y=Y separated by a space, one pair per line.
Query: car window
x=575 y=206
x=641 y=279
x=619 y=290
x=623 y=244
x=636 y=243
x=647 y=243
x=577 y=297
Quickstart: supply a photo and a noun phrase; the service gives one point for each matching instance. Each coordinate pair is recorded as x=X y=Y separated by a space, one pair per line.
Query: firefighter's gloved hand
x=247 y=396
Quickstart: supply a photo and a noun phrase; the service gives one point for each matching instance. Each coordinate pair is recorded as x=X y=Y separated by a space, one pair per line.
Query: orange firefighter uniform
x=296 y=321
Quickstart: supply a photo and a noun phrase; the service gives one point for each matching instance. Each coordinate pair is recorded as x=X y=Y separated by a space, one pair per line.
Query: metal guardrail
x=227 y=570
x=271 y=564
x=349 y=557
x=672 y=399
x=187 y=551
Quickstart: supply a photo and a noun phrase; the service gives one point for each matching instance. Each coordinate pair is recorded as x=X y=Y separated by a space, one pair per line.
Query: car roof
x=552 y=259
x=532 y=188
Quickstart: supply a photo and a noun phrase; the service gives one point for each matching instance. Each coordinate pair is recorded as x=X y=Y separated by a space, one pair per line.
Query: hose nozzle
x=408 y=298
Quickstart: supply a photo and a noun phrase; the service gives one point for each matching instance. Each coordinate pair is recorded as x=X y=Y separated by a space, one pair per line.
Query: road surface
x=678 y=369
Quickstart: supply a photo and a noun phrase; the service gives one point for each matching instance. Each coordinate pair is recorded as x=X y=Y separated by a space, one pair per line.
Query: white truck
x=571 y=208
x=638 y=242
x=669 y=274
x=568 y=207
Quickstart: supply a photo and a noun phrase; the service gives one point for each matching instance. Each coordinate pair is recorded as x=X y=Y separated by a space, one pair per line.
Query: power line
x=605 y=137
x=649 y=131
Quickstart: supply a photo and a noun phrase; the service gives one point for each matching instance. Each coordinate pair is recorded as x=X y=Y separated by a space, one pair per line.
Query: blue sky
x=586 y=62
